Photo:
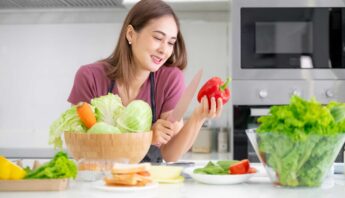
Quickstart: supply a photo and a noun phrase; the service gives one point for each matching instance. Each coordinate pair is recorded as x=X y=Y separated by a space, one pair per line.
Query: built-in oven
x=282 y=48
x=246 y=118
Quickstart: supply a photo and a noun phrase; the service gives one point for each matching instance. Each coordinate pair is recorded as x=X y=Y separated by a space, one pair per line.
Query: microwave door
x=284 y=38
x=320 y=23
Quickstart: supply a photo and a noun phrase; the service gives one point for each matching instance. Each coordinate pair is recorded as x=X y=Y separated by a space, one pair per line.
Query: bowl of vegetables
x=105 y=130
x=298 y=143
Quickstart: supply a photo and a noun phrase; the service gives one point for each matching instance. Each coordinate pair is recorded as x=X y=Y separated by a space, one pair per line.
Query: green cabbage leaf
x=103 y=128
x=68 y=121
x=137 y=117
x=107 y=108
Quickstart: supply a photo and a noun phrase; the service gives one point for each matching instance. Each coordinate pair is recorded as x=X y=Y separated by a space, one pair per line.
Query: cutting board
x=34 y=185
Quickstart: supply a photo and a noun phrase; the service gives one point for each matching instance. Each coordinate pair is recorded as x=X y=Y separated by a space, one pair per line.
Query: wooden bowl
x=125 y=147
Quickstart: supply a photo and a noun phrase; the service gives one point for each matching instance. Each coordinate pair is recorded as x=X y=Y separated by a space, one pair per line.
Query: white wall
x=40 y=53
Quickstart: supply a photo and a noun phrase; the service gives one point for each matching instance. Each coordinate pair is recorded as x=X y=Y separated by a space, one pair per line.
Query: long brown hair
x=119 y=65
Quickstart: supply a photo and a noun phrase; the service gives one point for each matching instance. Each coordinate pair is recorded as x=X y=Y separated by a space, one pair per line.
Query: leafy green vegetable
x=137 y=117
x=218 y=168
x=107 y=108
x=27 y=169
x=103 y=128
x=59 y=167
x=338 y=112
x=301 y=140
x=68 y=121
x=225 y=164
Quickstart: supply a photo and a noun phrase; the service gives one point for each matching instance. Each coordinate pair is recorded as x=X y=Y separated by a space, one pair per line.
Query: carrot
x=85 y=114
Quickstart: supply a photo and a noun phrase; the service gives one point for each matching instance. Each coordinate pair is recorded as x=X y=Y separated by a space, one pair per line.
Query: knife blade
x=179 y=163
x=186 y=98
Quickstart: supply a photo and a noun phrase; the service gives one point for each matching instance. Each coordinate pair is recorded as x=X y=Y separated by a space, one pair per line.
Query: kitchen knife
x=186 y=98
x=179 y=163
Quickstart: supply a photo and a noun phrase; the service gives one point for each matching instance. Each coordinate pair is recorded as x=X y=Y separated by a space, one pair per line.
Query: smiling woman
x=154 y=44
x=147 y=64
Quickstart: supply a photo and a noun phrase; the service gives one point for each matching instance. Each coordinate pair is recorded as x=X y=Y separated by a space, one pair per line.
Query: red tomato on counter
x=241 y=167
x=251 y=170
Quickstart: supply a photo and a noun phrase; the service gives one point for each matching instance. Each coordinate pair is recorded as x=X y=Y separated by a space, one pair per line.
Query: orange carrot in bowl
x=86 y=114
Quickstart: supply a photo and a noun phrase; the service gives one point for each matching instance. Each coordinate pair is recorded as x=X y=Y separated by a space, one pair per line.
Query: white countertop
x=258 y=186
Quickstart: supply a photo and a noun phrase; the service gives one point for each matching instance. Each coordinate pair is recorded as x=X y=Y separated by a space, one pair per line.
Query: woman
x=147 y=64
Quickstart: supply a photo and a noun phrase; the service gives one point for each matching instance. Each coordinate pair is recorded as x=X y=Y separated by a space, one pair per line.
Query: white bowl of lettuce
x=217 y=173
x=298 y=143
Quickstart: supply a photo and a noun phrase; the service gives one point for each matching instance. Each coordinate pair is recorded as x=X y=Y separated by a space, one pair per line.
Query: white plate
x=217 y=179
x=176 y=180
x=100 y=185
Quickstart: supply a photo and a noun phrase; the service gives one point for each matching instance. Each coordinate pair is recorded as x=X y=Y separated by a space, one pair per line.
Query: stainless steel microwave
x=279 y=39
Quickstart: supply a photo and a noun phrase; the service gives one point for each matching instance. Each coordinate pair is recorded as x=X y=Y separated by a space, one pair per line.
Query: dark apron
x=154 y=154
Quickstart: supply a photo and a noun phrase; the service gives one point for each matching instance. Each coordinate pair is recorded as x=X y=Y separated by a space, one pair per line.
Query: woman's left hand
x=203 y=111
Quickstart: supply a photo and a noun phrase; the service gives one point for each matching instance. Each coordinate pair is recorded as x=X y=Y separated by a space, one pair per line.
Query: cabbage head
x=107 y=108
x=103 y=128
x=137 y=117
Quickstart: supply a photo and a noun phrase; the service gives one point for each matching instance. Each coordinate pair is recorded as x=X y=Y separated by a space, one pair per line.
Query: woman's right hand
x=163 y=131
x=203 y=111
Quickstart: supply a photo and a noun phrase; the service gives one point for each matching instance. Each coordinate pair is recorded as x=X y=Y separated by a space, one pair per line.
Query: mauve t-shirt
x=91 y=82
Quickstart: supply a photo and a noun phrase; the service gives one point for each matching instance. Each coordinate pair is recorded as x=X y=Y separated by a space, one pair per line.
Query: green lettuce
x=218 y=168
x=107 y=108
x=59 y=167
x=300 y=141
x=68 y=121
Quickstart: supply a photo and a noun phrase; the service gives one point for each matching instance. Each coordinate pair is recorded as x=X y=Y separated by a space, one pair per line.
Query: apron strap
x=153 y=101
x=154 y=153
x=112 y=84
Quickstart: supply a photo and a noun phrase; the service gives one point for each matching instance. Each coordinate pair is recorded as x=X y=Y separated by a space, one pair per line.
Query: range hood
x=209 y=5
x=197 y=5
x=51 y=4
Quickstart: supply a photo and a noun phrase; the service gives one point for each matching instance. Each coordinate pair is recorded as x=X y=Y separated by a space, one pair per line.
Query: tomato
x=252 y=170
x=240 y=167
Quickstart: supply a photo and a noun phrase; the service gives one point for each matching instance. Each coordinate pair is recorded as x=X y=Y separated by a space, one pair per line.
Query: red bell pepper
x=215 y=87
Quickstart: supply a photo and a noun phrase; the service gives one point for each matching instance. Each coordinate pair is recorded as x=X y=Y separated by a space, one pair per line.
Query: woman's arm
x=183 y=140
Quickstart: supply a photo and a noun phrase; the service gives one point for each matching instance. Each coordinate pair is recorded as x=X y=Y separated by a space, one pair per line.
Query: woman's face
x=154 y=44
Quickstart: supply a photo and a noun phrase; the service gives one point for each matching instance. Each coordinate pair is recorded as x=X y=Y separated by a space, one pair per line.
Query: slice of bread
x=123 y=179
x=128 y=180
x=129 y=175
x=130 y=168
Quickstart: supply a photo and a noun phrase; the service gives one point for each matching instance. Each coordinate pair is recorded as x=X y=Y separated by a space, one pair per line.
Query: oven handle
x=255 y=112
